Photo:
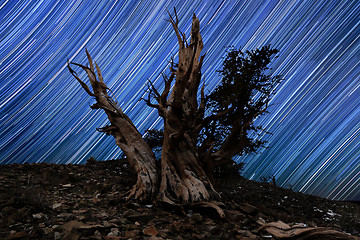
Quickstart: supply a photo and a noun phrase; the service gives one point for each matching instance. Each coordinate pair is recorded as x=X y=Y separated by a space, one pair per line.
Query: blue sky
x=314 y=117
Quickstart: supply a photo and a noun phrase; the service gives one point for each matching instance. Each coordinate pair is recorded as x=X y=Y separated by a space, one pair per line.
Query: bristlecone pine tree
x=199 y=133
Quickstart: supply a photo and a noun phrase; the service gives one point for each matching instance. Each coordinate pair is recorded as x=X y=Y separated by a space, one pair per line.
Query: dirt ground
x=53 y=201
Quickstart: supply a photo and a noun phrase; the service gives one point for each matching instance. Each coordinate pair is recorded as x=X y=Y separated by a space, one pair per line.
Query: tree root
x=281 y=230
x=211 y=205
x=168 y=203
x=140 y=192
x=180 y=208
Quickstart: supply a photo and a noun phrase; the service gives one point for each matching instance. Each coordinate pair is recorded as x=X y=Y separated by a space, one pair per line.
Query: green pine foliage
x=242 y=95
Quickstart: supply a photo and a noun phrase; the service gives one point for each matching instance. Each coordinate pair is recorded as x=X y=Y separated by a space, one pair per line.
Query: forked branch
x=175 y=24
x=83 y=85
x=127 y=137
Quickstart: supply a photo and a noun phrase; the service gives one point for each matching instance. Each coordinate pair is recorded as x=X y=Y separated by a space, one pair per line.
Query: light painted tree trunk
x=183 y=178
x=126 y=135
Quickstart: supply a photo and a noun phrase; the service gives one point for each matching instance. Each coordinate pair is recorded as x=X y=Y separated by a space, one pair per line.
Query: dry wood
x=126 y=135
x=281 y=230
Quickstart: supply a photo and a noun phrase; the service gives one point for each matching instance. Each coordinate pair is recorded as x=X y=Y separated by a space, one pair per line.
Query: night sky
x=314 y=117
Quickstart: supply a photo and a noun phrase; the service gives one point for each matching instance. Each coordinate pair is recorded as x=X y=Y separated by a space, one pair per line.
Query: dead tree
x=186 y=163
x=182 y=175
x=126 y=135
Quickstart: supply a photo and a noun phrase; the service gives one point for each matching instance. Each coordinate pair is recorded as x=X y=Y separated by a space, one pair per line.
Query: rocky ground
x=50 y=201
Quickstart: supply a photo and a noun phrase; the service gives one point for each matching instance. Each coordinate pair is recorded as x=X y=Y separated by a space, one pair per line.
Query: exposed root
x=168 y=203
x=140 y=192
x=212 y=205
x=137 y=192
x=180 y=208
x=281 y=230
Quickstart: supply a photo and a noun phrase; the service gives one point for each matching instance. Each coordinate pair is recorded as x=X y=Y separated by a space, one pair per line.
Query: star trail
x=314 y=117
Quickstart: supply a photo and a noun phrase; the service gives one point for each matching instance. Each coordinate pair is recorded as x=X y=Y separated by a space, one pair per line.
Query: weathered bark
x=186 y=168
x=281 y=230
x=127 y=137
x=183 y=178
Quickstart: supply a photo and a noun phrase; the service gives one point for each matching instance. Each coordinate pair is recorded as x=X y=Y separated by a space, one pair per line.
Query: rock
x=248 y=209
x=211 y=228
x=254 y=237
x=8 y=209
x=35 y=234
x=80 y=217
x=56 y=206
x=71 y=236
x=102 y=215
x=150 y=231
x=131 y=234
x=112 y=238
x=38 y=215
x=57 y=236
x=225 y=236
x=260 y=221
x=47 y=230
x=80 y=211
x=234 y=215
x=74 y=224
x=143 y=218
x=245 y=234
x=65 y=215
x=97 y=235
x=196 y=217
x=156 y=238
x=197 y=236
x=41 y=225
x=16 y=235
x=67 y=210
x=114 y=232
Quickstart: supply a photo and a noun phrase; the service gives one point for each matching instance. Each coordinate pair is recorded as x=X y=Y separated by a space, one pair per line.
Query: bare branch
x=175 y=23
x=166 y=91
x=177 y=19
x=127 y=137
x=149 y=103
x=100 y=77
x=159 y=106
x=83 y=85
x=154 y=91
x=107 y=129
x=90 y=60
x=90 y=73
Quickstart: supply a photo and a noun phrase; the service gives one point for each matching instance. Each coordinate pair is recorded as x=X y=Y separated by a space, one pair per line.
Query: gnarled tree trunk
x=183 y=178
x=127 y=137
